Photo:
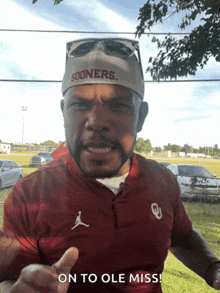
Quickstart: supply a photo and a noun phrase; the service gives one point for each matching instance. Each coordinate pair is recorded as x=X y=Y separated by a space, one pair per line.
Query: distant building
x=193 y=155
x=5 y=148
x=181 y=154
x=161 y=154
x=31 y=148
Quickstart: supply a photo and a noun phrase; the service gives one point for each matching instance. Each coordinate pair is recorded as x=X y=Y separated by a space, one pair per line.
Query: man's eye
x=120 y=106
x=80 y=104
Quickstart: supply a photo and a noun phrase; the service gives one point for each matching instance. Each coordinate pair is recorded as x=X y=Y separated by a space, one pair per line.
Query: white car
x=165 y=164
x=10 y=173
x=196 y=182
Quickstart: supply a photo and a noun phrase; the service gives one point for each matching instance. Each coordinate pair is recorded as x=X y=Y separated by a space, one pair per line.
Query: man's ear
x=62 y=105
x=143 y=111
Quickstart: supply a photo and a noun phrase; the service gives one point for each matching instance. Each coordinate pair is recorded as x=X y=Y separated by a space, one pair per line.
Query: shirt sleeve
x=16 y=223
x=182 y=225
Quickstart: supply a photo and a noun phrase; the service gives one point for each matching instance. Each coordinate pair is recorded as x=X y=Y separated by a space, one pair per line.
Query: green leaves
x=178 y=58
x=143 y=146
x=56 y=2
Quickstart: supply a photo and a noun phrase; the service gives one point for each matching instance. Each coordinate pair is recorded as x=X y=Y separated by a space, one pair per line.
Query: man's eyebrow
x=123 y=98
x=116 y=98
x=77 y=97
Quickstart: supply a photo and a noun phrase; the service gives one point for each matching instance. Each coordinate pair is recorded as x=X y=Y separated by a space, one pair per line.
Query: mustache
x=114 y=143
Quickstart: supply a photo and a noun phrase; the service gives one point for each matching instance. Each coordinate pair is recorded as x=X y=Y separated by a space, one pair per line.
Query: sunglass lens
x=115 y=47
x=82 y=49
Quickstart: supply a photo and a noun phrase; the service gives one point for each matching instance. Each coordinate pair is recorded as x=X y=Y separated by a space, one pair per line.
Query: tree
x=175 y=148
x=182 y=57
x=169 y=147
x=142 y=147
x=215 y=149
x=148 y=143
x=201 y=150
x=50 y=143
x=158 y=149
x=172 y=147
x=195 y=150
x=187 y=148
x=56 y=2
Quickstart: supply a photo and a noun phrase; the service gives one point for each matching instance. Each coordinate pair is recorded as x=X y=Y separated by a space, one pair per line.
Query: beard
x=76 y=155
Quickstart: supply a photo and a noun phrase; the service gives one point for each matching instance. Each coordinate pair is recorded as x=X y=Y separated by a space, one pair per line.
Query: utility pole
x=23 y=108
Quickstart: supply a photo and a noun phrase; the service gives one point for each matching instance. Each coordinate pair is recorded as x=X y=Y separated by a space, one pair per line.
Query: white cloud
x=37 y=55
x=16 y=17
x=100 y=16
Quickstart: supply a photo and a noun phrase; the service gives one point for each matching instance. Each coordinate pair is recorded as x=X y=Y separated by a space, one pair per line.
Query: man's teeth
x=99 y=149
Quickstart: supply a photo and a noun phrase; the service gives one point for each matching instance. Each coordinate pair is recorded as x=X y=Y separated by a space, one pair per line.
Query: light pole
x=23 y=108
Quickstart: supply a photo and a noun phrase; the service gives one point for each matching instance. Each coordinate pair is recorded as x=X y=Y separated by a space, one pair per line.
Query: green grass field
x=205 y=218
x=178 y=278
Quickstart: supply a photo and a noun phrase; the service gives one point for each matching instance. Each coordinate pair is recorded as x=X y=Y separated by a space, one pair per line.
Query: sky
x=179 y=113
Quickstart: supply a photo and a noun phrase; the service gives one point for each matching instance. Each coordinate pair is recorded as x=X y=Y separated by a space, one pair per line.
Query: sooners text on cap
x=93 y=73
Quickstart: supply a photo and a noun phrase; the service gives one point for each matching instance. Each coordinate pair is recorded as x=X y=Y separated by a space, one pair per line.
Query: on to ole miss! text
x=111 y=278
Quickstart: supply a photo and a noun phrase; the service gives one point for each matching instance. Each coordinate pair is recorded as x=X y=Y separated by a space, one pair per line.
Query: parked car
x=10 y=173
x=196 y=182
x=40 y=159
x=165 y=164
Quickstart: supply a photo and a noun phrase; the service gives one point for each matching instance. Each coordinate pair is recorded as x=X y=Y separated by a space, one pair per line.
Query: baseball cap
x=114 y=61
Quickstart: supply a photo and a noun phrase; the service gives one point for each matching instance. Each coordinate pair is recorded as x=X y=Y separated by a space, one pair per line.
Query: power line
x=28 y=80
x=184 y=80
x=58 y=81
x=86 y=32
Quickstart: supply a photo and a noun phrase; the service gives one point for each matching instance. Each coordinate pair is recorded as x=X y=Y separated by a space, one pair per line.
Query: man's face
x=101 y=124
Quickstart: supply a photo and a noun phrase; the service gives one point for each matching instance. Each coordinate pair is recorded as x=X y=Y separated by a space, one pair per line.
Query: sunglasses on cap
x=119 y=47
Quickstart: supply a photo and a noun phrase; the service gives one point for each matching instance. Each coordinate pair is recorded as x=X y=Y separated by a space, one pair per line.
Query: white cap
x=99 y=67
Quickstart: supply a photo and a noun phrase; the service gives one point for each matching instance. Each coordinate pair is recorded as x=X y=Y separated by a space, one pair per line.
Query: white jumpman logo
x=79 y=222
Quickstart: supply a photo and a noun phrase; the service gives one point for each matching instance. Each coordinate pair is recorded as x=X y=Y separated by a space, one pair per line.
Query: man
x=101 y=214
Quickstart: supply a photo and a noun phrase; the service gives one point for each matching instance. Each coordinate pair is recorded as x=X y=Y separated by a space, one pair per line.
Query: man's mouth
x=100 y=149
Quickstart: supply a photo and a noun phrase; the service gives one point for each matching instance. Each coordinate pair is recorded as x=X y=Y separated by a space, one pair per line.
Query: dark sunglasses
x=123 y=48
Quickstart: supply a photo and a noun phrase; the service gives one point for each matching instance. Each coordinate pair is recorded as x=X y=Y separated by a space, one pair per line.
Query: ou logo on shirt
x=156 y=211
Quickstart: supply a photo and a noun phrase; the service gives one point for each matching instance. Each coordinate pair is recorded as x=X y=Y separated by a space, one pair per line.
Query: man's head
x=102 y=118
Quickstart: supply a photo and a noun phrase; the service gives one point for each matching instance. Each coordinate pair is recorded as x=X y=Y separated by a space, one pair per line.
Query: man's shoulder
x=151 y=166
x=157 y=178
x=48 y=186
x=46 y=179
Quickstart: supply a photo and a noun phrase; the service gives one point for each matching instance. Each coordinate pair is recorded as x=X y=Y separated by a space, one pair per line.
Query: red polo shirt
x=56 y=207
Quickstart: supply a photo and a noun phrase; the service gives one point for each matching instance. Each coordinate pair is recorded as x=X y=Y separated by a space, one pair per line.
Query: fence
x=29 y=148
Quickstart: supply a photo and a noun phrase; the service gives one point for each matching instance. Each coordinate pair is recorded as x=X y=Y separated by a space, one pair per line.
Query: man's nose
x=97 y=119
